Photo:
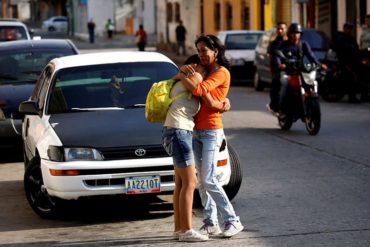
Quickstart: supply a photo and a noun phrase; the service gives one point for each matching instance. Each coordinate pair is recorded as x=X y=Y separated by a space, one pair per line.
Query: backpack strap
x=182 y=94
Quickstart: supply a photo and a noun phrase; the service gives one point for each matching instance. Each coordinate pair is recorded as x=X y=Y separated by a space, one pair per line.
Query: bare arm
x=221 y=106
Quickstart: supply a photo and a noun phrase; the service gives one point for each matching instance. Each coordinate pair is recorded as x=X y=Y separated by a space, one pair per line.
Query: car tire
x=258 y=84
x=232 y=188
x=51 y=29
x=40 y=201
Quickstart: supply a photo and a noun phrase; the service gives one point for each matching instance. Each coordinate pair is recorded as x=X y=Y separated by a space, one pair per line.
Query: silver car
x=240 y=48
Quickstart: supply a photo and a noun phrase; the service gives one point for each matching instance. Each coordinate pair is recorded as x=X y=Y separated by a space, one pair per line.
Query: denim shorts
x=178 y=143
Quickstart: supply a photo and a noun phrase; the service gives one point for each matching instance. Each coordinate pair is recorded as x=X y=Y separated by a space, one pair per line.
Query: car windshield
x=8 y=33
x=109 y=86
x=316 y=39
x=26 y=66
x=242 y=41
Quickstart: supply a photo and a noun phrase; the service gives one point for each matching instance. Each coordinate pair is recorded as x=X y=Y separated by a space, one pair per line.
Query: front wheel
x=41 y=202
x=313 y=116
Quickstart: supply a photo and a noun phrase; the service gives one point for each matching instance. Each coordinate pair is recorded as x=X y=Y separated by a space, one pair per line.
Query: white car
x=11 y=29
x=240 y=50
x=55 y=24
x=85 y=137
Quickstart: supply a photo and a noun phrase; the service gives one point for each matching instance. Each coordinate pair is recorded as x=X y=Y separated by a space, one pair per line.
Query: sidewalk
x=121 y=41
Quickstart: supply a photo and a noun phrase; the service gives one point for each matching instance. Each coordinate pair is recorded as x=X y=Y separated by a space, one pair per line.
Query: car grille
x=153 y=151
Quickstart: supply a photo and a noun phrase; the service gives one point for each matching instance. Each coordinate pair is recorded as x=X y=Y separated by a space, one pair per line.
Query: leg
x=176 y=196
x=188 y=179
x=217 y=197
x=210 y=210
x=274 y=93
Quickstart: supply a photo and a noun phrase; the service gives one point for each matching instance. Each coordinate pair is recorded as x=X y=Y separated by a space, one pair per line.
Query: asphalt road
x=297 y=190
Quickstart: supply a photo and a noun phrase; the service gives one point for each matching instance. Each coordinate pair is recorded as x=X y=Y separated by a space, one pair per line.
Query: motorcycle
x=299 y=98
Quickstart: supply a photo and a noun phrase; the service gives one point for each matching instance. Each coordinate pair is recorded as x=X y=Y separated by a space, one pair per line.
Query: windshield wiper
x=134 y=106
x=32 y=72
x=8 y=76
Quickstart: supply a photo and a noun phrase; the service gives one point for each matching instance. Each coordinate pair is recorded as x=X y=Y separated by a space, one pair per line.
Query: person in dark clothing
x=281 y=35
x=347 y=51
x=180 y=38
x=293 y=48
x=91 y=28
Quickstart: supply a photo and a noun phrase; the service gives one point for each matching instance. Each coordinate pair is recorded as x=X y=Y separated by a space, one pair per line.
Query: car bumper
x=104 y=177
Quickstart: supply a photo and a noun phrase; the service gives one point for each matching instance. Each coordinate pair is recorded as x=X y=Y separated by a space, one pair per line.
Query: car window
x=44 y=87
x=26 y=66
x=8 y=33
x=316 y=39
x=241 y=41
x=100 y=86
x=60 y=20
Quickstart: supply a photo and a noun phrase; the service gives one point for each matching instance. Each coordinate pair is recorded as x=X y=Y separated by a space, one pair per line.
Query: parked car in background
x=12 y=29
x=318 y=41
x=85 y=137
x=240 y=48
x=55 y=24
x=21 y=63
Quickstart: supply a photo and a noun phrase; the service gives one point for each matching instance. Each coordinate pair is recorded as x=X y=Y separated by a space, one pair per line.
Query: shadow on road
x=17 y=215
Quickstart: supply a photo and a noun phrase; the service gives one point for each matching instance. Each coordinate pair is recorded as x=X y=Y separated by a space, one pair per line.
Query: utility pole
x=201 y=16
x=4 y=8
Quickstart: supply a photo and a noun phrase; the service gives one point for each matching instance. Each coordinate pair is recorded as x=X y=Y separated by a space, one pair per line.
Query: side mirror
x=28 y=108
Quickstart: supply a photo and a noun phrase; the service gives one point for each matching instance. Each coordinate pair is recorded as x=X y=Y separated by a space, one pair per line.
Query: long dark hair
x=212 y=42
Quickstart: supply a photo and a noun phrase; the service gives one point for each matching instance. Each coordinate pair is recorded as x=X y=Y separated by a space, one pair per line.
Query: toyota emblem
x=140 y=152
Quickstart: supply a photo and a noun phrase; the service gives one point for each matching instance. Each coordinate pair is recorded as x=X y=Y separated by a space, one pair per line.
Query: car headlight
x=73 y=154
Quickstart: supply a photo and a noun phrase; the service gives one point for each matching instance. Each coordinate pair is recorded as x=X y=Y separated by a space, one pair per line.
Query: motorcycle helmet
x=294 y=28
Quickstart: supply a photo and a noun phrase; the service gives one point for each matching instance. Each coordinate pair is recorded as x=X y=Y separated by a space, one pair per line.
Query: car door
x=35 y=125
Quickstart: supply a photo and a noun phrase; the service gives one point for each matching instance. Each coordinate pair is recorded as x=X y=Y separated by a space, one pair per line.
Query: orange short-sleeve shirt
x=218 y=84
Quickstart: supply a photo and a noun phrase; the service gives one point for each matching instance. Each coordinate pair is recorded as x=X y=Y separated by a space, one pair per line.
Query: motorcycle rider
x=294 y=48
x=281 y=35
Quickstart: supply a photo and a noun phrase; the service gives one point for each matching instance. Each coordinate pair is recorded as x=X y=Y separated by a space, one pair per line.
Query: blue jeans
x=206 y=145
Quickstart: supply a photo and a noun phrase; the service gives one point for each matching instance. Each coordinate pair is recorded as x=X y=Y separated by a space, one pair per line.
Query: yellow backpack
x=159 y=100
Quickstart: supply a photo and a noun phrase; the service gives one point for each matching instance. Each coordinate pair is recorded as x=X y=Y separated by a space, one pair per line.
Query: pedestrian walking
x=208 y=136
x=180 y=38
x=141 y=38
x=91 y=29
x=177 y=140
x=109 y=27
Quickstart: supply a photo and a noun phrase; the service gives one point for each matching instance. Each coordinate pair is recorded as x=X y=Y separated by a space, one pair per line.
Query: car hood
x=108 y=128
x=247 y=55
x=11 y=95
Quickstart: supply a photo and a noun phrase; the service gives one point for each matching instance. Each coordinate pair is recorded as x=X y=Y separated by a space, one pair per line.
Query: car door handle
x=27 y=126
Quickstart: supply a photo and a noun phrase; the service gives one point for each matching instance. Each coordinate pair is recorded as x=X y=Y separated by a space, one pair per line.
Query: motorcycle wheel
x=285 y=121
x=313 y=116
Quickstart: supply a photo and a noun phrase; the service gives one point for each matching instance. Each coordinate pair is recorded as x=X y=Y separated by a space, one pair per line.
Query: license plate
x=140 y=185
